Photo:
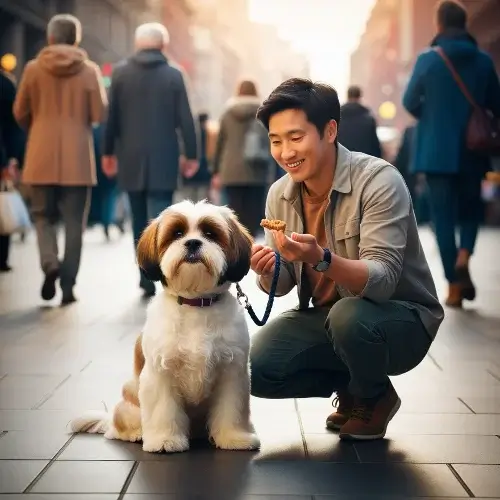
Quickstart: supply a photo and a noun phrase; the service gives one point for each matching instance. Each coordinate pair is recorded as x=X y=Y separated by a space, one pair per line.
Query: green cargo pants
x=356 y=344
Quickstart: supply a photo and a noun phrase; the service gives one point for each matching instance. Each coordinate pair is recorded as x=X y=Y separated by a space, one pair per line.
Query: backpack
x=256 y=146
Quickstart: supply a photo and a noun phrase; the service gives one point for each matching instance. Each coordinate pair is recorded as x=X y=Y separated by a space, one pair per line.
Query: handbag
x=483 y=128
x=14 y=216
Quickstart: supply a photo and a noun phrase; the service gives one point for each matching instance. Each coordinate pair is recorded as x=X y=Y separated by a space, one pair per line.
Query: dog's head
x=193 y=248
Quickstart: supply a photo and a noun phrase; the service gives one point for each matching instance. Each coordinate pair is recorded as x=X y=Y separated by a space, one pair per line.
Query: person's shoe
x=370 y=417
x=454 y=298
x=468 y=290
x=49 y=285
x=68 y=297
x=5 y=268
x=343 y=404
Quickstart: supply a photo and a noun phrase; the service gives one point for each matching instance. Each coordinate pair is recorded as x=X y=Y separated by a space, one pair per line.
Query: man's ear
x=239 y=251
x=147 y=252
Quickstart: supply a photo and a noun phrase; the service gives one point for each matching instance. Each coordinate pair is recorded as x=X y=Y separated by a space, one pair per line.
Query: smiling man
x=368 y=306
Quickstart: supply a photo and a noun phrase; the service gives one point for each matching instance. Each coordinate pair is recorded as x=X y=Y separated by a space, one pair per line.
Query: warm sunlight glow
x=326 y=30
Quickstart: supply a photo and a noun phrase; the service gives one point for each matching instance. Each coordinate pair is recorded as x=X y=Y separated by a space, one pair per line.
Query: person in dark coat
x=358 y=129
x=148 y=107
x=454 y=173
x=11 y=139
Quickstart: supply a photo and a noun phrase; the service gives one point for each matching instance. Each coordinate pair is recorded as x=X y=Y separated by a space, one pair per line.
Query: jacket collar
x=341 y=180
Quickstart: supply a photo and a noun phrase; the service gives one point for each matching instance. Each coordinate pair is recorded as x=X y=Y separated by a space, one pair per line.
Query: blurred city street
x=56 y=362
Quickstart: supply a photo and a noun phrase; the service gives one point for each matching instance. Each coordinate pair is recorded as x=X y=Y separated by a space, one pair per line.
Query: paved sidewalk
x=444 y=442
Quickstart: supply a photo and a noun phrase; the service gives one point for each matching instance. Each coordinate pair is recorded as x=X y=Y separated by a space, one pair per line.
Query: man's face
x=296 y=144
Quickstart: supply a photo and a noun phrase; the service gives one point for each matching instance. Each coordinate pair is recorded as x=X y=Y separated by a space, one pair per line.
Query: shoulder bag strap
x=456 y=76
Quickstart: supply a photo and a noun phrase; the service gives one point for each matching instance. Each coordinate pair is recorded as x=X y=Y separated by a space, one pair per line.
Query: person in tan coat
x=61 y=94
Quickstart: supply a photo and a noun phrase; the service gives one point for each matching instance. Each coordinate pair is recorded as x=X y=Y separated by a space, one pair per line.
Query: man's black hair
x=354 y=92
x=319 y=101
x=451 y=14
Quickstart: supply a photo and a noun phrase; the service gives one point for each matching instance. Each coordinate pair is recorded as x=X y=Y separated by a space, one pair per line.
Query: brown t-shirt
x=323 y=288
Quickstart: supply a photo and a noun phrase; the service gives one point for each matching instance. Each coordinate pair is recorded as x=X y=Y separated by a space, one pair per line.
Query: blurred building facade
x=108 y=26
x=396 y=32
x=229 y=47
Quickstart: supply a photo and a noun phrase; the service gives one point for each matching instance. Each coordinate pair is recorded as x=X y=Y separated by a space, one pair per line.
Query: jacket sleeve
x=413 y=97
x=185 y=121
x=286 y=280
x=98 y=98
x=22 y=104
x=386 y=211
x=9 y=128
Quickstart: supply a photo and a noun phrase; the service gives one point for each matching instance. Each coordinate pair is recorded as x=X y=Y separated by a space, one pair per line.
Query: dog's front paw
x=236 y=440
x=170 y=444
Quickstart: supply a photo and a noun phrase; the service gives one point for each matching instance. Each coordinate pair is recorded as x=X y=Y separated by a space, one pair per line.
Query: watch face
x=322 y=266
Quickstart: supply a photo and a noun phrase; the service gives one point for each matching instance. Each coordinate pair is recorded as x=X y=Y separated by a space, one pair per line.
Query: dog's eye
x=178 y=234
x=209 y=235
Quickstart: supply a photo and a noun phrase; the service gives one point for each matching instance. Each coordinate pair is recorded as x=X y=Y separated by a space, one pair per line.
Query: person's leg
x=139 y=212
x=470 y=213
x=157 y=201
x=43 y=204
x=375 y=340
x=234 y=200
x=74 y=203
x=443 y=197
x=293 y=357
x=4 y=253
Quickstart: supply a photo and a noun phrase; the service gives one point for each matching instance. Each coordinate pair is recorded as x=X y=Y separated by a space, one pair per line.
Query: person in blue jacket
x=454 y=174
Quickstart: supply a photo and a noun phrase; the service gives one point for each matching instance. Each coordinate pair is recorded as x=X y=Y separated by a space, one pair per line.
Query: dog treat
x=273 y=224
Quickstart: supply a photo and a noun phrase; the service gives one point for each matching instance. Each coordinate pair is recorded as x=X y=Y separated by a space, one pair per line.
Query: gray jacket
x=228 y=159
x=148 y=107
x=370 y=218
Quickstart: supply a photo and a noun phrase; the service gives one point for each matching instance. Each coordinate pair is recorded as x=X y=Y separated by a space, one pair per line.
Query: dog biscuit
x=273 y=225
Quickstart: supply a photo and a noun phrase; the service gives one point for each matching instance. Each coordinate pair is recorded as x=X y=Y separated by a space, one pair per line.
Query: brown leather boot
x=344 y=403
x=454 y=295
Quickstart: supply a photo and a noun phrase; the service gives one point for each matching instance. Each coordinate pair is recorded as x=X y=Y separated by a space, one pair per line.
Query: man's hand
x=109 y=166
x=298 y=248
x=263 y=260
x=215 y=182
x=188 y=167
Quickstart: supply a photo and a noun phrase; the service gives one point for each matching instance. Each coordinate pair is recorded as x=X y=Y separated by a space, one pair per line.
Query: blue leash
x=272 y=294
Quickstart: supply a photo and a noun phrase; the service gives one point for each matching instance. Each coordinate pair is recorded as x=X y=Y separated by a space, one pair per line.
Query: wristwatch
x=324 y=264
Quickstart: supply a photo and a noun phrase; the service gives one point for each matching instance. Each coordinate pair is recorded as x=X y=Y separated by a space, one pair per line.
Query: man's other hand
x=262 y=260
x=109 y=166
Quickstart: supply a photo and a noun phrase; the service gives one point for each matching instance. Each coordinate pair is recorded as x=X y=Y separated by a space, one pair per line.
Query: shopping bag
x=14 y=216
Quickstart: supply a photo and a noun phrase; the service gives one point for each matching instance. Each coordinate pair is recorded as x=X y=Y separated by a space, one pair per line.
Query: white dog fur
x=191 y=366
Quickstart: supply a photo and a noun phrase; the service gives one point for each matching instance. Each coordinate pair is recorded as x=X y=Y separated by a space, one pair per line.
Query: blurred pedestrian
x=149 y=105
x=197 y=187
x=454 y=173
x=104 y=194
x=358 y=131
x=10 y=151
x=244 y=182
x=61 y=94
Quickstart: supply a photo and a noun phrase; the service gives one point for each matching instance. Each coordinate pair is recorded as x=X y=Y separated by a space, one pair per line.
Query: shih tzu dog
x=191 y=369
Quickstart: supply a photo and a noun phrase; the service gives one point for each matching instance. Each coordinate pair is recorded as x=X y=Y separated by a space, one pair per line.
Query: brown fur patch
x=238 y=251
x=173 y=227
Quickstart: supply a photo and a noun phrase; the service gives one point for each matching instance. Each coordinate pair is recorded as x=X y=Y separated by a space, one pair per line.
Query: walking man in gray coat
x=148 y=106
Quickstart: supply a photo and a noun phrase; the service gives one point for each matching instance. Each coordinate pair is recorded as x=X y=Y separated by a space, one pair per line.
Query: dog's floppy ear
x=147 y=252
x=239 y=251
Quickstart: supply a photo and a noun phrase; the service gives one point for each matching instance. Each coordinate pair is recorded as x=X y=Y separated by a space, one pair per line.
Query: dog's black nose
x=193 y=245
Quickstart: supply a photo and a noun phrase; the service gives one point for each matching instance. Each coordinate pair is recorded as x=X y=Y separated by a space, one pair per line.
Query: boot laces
x=363 y=410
